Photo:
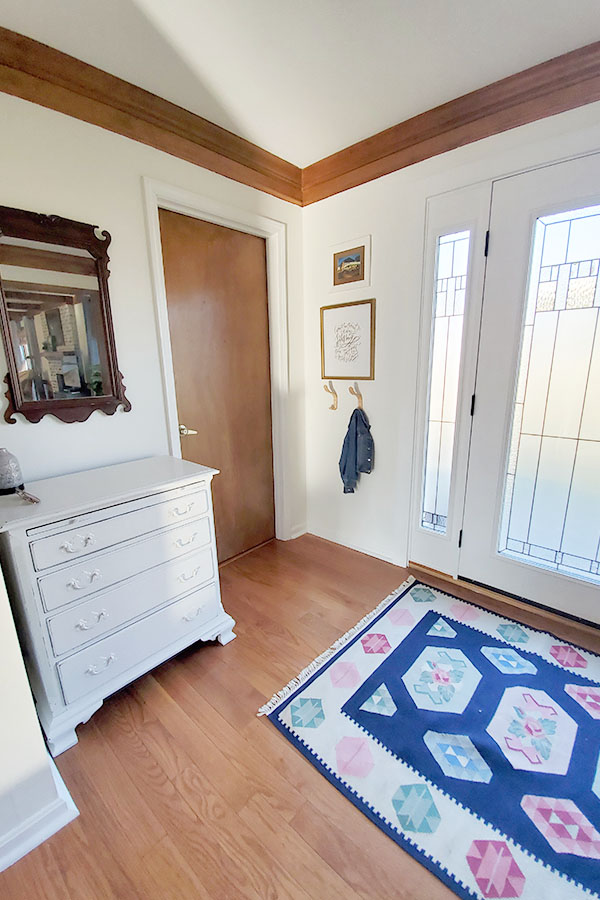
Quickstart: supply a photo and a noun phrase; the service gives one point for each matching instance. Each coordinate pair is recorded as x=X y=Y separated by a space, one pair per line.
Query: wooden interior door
x=216 y=283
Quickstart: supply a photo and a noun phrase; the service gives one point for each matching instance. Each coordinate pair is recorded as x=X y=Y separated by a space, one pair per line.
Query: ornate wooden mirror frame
x=82 y=360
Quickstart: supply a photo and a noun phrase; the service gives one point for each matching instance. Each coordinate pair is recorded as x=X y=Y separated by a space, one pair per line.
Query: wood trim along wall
x=562 y=83
x=38 y=73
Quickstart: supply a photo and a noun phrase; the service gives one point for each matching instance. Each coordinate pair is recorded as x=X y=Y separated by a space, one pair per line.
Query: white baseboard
x=298 y=531
x=368 y=551
x=39 y=827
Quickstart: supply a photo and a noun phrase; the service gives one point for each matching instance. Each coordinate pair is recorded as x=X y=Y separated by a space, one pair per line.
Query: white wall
x=392 y=209
x=52 y=163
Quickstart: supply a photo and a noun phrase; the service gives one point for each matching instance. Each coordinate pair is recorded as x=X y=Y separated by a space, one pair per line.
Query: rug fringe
x=316 y=664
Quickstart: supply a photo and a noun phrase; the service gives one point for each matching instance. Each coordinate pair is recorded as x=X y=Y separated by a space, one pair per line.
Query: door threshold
x=522 y=604
x=245 y=553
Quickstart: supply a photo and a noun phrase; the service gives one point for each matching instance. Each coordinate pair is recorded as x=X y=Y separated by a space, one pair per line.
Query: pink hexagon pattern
x=463 y=612
x=533 y=731
x=375 y=643
x=568 y=657
x=344 y=675
x=587 y=695
x=354 y=757
x=495 y=869
x=563 y=825
x=400 y=616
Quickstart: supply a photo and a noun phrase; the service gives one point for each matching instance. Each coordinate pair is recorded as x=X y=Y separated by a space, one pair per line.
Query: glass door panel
x=532 y=517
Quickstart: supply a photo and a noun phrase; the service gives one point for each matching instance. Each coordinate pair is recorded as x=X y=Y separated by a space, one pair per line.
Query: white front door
x=531 y=524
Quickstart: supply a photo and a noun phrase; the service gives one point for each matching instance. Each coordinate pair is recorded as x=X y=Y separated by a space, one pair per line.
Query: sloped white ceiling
x=304 y=78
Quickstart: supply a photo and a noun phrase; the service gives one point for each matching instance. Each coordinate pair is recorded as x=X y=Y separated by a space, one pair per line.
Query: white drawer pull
x=180 y=542
x=184 y=577
x=91 y=576
x=194 y=615
x=70 y=547
x=176 y=511
x=97 y=670
x=83 y=625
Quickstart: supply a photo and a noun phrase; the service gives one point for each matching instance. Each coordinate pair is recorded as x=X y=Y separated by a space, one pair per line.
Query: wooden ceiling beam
x=55 y=80
x=36 y=72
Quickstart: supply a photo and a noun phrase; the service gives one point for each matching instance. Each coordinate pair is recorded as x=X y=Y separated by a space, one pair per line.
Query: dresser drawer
x=116 y=526
x=89 y=669
x=110 y=609
x=105 y=569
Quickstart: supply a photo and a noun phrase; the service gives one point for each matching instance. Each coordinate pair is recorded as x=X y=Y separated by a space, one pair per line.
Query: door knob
x=183 y=429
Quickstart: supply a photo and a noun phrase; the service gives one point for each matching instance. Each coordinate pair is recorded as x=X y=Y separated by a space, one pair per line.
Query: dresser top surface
x=79 y=492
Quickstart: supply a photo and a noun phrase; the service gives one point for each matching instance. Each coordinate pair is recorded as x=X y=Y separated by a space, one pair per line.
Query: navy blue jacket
x=358 y=450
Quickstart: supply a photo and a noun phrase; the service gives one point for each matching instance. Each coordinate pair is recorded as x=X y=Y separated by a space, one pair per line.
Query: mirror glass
x=54 y=310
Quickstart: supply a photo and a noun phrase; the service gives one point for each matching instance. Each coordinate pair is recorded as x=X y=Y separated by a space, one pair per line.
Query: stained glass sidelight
x=551 y=513
x=450 y=283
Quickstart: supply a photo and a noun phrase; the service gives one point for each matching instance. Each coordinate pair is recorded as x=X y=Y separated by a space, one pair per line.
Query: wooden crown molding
x=38 y=73
x=551 y=87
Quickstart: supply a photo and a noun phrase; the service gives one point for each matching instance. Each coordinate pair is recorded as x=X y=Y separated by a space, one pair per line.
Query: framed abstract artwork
x=348 y=340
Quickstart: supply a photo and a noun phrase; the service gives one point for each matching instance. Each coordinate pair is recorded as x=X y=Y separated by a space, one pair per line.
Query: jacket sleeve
x=365 y=449
x=348 y=459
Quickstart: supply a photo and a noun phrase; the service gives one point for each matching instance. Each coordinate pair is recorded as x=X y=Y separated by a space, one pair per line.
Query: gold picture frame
x=348 y=341
x=349 y=266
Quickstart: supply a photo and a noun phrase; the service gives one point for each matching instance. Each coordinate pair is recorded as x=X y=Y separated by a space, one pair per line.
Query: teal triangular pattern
x=442 y=629
x=380 y=702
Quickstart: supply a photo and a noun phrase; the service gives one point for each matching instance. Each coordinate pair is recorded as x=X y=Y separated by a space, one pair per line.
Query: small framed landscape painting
x=348 y=340
x=352 y=263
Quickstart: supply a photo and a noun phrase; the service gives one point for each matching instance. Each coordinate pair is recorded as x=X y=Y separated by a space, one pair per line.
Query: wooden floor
x=184 y=793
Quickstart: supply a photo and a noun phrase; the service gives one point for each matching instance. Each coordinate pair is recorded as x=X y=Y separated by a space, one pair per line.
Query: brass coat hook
x=355 y=391
x=331 y=390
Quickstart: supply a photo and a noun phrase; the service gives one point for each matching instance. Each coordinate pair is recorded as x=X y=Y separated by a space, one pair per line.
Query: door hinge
x=472 y=404
x=460 y=538
x=487 y=243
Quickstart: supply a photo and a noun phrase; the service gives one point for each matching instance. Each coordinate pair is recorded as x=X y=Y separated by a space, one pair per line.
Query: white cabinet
x=113 y=572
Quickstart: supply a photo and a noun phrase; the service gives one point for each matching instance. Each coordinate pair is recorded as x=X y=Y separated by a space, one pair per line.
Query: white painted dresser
x=113 y=572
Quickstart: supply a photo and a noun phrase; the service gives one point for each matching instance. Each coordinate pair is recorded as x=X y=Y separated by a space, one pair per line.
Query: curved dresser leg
x=226 y=636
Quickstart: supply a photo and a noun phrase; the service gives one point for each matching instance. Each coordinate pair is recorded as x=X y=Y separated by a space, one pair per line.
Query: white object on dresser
x=112 y=573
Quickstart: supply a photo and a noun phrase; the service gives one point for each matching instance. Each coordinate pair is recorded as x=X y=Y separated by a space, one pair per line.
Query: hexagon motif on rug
x=587 y=695
x=508 y=661
x=380 y=702
x=344 y=675
x=353 y=756
x=442 y=629
x=422 y=595
x=416 y=809
x=568 y=657
x=307 y=712
x=375 y=643
x=495 y=870
x=441 y=679
x=399 y=615
x=563 y=825
x=457 y=756
x=510 y=631
x=463 y=612
x=533 y=731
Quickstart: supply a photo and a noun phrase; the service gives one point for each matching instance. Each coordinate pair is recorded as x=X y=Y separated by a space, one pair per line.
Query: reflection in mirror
x=53 y=304
x=55 y=319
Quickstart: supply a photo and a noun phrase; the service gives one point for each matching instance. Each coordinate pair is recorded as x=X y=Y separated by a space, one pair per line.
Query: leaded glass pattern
x=450 y=284
x=551 y=513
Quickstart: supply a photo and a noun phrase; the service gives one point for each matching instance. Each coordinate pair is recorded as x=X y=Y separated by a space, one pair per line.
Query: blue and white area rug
x=469 y=739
